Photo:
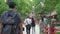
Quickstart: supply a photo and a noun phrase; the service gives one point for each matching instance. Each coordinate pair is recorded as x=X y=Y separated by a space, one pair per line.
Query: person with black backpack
x=28 y=22
x=33 y=26
x=11 y=20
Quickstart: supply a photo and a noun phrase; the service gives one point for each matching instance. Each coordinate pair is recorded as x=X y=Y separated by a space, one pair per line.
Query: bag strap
x=9 y=11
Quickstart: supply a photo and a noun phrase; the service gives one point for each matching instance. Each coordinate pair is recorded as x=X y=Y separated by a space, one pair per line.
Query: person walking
x=45 y=20
x=33 y=26
x=11 y=20
x=41 y=25
x=28 y=22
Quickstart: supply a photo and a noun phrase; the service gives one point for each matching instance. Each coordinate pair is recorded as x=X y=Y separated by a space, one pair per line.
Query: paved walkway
x=36 y=30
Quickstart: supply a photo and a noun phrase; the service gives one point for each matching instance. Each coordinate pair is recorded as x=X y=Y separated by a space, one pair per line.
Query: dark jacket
x=7 y=29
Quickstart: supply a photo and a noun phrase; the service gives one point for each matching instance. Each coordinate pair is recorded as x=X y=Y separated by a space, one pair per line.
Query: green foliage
x=58 y=32
x=3 y=6
x=24 y=7
x=58 y=10
x=50 y=5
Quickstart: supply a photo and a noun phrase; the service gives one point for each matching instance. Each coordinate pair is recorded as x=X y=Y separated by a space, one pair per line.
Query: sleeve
x=31 y=20
x=19 y=18
x=3 y=16
x=25 y=22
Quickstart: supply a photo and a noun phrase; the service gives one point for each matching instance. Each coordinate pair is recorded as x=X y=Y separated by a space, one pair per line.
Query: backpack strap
x=11 y=13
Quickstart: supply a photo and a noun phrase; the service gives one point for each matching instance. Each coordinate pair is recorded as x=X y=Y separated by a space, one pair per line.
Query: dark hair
x=44 y=16
x=11 y=4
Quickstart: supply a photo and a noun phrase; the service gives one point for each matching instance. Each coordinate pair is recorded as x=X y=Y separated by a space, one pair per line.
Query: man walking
x=28 y=22
x=11 y=20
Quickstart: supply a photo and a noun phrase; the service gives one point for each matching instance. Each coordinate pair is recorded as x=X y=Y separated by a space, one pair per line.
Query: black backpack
x=9 y=17
x=33 y=22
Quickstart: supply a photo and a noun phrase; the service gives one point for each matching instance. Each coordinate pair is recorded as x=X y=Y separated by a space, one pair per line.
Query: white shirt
x=27 y=21
x=45 y=20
